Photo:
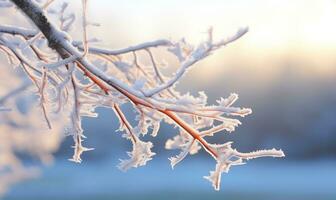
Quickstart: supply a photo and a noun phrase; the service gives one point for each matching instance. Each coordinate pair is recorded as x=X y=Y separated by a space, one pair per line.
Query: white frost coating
x=185 y=143
x=18 y=30
x=202 y=51
x=72 y=79
x=138 y=47
x=239 y=34
x=55 y=65
x=140 y=155
x=181 y=50
x=229 y=157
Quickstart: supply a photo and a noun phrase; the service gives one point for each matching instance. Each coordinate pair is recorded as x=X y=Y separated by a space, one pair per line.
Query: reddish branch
x=42 y=22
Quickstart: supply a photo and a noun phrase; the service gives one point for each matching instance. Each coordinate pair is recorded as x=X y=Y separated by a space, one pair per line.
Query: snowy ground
x=259 y=179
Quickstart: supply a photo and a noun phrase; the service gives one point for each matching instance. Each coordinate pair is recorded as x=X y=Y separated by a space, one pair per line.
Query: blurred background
x=284 y=69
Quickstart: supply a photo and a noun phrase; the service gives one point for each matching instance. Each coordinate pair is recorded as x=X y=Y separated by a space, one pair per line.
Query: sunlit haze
x=298 y=32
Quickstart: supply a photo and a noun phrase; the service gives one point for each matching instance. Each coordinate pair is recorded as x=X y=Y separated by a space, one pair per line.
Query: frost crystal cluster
x=73 y=77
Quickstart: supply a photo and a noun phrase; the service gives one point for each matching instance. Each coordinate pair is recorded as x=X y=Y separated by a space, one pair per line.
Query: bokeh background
x=284 y=69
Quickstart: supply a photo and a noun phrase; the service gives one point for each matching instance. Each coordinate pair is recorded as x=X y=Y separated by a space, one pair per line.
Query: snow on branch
x=17 y=30
x=146 y=45
x=71 y=79
x=229 y=157
x=194 y=56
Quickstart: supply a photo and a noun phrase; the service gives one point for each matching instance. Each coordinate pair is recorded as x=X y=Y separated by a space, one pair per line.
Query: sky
x=300 y=32
x=280 y=31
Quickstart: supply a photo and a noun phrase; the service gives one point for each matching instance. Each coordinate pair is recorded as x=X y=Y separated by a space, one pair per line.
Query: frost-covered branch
x=17 y=31
x=72 y=79
x=194 y=56
x=146 y=45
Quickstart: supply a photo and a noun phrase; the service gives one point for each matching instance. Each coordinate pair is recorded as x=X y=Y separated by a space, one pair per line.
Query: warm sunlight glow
x=279 y=30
